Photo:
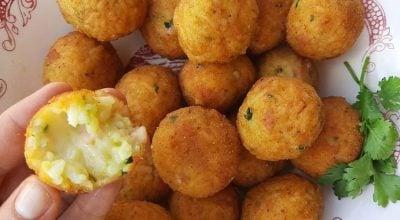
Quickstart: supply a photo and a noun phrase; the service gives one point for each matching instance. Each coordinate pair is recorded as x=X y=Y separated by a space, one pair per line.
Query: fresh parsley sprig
x=376 y=163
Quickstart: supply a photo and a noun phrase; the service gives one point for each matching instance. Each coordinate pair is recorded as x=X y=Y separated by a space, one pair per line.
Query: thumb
x=31 y=200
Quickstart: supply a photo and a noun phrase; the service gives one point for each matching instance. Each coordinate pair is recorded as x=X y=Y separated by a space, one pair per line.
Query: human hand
x=23 y=195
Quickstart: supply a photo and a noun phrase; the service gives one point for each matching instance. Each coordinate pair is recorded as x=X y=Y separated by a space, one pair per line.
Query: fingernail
x=33 y=200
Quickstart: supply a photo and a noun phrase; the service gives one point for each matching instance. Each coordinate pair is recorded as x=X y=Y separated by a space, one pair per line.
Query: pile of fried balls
x=225 y=131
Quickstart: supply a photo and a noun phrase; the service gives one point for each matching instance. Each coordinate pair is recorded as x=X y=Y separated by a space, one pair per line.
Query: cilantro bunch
x=376 y=163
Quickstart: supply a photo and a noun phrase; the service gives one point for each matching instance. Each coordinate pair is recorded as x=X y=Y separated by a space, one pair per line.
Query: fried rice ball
x=82 y=140
x=253 y=171
x=159 y=30
x=196 y=151
x=283 y=61
x=82 y=62
x=137 y=210
x=321 y=29
x=339 y=142
x=143 y=181
x=104 y=20
x=214 y=85
x=215 y=31
x=271 y=25
x=280 y=118
x=223 y=205
x=289 y=197
x=152 y=92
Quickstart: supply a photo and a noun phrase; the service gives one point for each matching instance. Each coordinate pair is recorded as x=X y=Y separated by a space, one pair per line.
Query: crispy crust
x=223 y=205
x=217 y=86
x=137 y=210
x=82 y=62
x=103 y=19
x=324 y=29
x=280 y=118
x=288 y=197
x=152 y=92
x=196 y=151
x=339 y=142
x=215 y=31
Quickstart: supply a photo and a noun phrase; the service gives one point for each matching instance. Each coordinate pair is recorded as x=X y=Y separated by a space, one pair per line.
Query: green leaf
x=358 y=175
x=387 y=166
x=333 y=175
x=340 y=190
x=249 y=114
x=381 y=140
x=389 y=94
x=387 y=188
x=368 y=106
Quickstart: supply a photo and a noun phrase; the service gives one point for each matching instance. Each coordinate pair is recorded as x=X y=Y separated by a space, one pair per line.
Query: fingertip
x=37 y=200
x=61 y=86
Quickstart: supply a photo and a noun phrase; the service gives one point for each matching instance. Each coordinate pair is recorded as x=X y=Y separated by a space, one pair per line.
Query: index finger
x=14 y=120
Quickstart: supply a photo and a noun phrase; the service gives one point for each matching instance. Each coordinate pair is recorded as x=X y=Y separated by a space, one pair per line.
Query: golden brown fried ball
x=280 y=118
x=152 y=92
x=104 y=20
x=143 y=181
x=339 y=142
x=196 y=151
x=321 y=29
x=223 y=205
x=214 y=85
x=137 y=210
x=253 y=171
x=215 y=31
x=271 y=25
x=82 y=62
x=159 y=30
x=289 y=197
x=82 y=140
x=283 y=61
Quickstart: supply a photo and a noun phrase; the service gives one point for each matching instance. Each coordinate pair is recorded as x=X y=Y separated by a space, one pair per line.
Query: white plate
x=29 y=27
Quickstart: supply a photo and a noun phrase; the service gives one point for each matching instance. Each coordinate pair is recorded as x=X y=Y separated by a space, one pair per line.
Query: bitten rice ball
x=321 y=29
x=143 y=181
x=196 y=151
x=104 y=20
x=217 y=86
x=280 y=118
x=283 y=61
x=288 y=197
x=159 y=30
x=223 y=205
x=82 y=62
x=339 y=142
x=137 y=210
x=152 y=92
x=215 y=31
x=271 y=25
x=82 y=140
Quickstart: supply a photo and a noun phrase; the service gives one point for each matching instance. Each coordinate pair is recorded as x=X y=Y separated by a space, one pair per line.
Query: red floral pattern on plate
x=8 y=21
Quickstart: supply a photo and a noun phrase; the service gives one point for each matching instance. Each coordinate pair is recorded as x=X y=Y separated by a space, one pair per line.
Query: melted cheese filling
x=85 y=143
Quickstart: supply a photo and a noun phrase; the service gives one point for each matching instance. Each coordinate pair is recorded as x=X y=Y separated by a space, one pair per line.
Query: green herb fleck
x=123 y=172
x=301 y=147
x=156 y=87
x=173 y=118
x=278 y=70
x=297 y=3
x=46 y=128
x=129 y=160
x=92 y=178
x=249 y=114
x=168 y=24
